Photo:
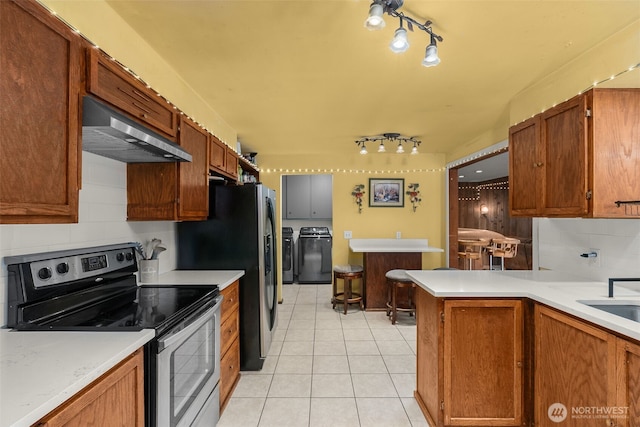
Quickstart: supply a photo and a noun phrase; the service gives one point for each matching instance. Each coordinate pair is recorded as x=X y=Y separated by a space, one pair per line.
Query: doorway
x=479 y=209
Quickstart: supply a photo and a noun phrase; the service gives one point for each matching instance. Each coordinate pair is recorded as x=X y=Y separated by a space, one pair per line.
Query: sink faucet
x=619 y=279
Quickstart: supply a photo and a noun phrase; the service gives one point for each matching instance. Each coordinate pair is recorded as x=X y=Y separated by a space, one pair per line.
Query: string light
x=146 y=84
x=595 y=84
x=353 y=171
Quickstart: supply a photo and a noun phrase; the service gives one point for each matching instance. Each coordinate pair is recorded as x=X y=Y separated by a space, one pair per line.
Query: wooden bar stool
x=503 y=248
x=348 y=273
x=398 y=279
x=471 y=250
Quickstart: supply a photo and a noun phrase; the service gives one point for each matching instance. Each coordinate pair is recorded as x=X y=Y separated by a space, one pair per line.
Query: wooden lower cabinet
x=229 y=342
x=593 y=374
x=470 y=361
x=116 y=399
x=628 y=384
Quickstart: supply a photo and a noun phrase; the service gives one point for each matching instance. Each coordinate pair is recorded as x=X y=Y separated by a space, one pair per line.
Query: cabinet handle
x=140 y=107
x=538 y=165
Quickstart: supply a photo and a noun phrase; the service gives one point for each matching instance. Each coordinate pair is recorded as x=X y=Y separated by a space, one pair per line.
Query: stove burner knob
x=120 y=257
x=129 y=256
x=44 y=273
x=62 y=268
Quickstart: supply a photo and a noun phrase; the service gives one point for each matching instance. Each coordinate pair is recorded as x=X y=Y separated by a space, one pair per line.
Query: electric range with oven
x=95 y=289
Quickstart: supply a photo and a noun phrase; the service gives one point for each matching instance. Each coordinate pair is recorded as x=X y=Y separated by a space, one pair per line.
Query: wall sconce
x=391 y=137
x=358 y=194
x=400 y=42
x=484 y=210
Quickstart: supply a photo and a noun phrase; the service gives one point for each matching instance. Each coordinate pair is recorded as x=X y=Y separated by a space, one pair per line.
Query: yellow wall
x=427 y=222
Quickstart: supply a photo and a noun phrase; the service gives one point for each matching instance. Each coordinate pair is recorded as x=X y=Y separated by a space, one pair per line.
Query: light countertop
x=392 y=245
x=557 y=290
x=41 y=370
x=222 y=278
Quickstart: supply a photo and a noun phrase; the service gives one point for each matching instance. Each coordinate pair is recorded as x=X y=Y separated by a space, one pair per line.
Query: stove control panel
x=67 y=269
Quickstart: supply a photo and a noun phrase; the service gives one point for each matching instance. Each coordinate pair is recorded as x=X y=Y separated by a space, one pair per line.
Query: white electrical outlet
x=596 y=260
x=398 y=235
x=347 y=234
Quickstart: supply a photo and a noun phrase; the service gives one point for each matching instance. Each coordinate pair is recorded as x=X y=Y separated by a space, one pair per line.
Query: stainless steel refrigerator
x=240 y=234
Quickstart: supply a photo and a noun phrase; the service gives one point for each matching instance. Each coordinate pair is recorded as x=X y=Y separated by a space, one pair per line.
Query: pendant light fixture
x=400 y=42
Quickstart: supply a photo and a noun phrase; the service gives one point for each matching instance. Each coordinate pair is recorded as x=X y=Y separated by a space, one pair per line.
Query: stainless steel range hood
x=110 y=134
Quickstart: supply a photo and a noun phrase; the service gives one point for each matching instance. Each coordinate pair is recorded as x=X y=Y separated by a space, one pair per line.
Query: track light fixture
x=400 y=42
x=392 y=137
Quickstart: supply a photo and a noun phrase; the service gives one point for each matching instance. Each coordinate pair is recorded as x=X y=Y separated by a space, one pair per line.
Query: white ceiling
x=305 y=76
x=486 y=169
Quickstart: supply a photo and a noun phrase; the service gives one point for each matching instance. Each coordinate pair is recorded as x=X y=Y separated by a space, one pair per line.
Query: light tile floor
x=328 y=369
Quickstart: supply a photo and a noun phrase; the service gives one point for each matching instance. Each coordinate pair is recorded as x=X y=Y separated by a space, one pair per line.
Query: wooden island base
x=376 y=265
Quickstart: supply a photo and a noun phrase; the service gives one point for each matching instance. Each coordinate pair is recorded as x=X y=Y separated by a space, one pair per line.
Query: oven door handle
x=190 y=325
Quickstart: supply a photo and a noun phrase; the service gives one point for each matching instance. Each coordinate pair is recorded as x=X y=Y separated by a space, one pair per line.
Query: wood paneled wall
x=495 y=195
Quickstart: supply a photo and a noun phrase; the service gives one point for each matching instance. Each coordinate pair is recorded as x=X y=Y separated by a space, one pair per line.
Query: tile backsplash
x=102 y=221
x=561 y=241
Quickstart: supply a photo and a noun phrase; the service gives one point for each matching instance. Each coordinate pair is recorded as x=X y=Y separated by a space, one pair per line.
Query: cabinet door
x=298 y=196
x=483 y=362
x=114 y=400
x=564 y=135
x=231 y=163
x=110 y=82
x=525 y=168
x=574 y=367
x=40 y=61
x=193 y=177
x=616 y=162
x=321 y=196
x=628 y=384
x=217 y=155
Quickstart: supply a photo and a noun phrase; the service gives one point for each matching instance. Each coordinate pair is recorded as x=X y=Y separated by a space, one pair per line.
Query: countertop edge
x=541 y=292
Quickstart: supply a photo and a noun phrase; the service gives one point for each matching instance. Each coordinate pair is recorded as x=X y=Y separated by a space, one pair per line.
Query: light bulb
x=374 y=20
x=381 y=148
x=400 y=43
x=414 y=150
x=400 y=150
x=363 y=150
x=431 y=58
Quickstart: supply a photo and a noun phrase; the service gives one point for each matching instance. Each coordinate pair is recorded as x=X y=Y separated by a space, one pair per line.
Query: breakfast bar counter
x=382 y=255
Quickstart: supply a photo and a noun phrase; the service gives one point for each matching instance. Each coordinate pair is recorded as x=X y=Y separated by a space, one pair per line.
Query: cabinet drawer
x=229 y=372
x=110 y=82
x=231 y=300
x=229 y=331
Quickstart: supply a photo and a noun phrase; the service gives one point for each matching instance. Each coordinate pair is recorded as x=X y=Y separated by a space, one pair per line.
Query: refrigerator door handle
x=267 y=255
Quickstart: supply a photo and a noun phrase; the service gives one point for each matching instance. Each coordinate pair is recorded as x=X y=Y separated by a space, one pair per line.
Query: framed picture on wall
x=386 y=193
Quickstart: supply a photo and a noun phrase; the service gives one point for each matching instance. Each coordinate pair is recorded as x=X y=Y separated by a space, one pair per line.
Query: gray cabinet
x=308 y=196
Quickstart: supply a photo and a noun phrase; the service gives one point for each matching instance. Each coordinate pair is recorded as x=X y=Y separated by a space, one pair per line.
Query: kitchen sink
x=627 y=309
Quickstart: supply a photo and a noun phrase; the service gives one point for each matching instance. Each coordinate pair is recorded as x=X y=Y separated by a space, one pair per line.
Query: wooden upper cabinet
x=615 y=131
x=172 y=191
x=524 y=168
x=40 y=80
x=217 y=155
x=578 y=158
x=112 y=83
x=193 y=177
x=231 y=164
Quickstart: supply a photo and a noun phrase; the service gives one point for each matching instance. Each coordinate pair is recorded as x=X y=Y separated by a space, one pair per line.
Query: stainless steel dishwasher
x=314 y=255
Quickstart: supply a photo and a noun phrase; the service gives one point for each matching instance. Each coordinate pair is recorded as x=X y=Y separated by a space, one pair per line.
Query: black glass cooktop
x=134 y=308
